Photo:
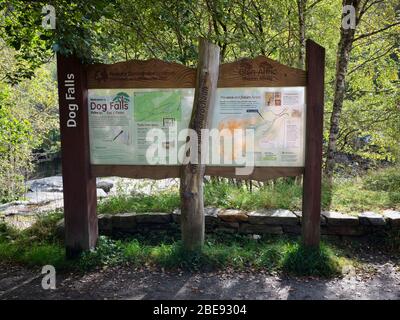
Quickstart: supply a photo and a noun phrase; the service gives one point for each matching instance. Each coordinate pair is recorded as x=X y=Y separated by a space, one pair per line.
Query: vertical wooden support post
x=315 y=64
x=81 y=230
x=191 y=187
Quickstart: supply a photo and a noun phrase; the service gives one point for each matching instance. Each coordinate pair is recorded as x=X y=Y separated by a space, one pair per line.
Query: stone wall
x=255 y=222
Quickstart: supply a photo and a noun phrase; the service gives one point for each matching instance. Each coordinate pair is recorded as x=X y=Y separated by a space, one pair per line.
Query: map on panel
x=121 y=123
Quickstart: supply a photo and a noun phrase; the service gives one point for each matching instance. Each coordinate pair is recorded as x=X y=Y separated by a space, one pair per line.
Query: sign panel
x=276 y=115
x=121 y=122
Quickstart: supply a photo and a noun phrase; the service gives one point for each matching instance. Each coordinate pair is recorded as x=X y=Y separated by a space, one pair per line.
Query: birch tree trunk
x=191 y=187
x=301 y=7
x=343 y=57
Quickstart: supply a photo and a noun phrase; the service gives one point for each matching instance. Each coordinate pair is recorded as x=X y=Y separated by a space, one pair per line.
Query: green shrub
x=384 y=180
x=302 y=261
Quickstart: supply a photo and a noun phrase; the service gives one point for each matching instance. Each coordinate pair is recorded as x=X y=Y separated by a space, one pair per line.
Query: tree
x=348 y=37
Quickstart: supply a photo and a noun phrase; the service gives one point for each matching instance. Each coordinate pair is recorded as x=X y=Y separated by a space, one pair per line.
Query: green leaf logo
x=122 y=97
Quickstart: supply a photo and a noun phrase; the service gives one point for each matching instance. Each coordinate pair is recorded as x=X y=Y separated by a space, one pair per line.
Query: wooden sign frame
x=79 y=176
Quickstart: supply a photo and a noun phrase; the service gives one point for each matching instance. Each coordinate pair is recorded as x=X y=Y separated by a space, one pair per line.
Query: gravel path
x=374 y=281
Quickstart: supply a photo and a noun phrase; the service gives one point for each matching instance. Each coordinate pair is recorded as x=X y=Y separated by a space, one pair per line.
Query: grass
x=375 y=191
x=39 y=246
x=35 y=246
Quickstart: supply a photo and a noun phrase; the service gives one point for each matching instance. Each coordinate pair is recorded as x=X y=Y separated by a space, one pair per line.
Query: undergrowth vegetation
x=375 y=191
x=39 y=245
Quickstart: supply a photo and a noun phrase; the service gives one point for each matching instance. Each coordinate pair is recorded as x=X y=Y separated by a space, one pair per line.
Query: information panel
x=120 y=121
x=275 y=114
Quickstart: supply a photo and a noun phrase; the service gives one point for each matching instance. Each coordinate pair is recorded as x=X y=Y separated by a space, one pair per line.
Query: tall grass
x=375 y=191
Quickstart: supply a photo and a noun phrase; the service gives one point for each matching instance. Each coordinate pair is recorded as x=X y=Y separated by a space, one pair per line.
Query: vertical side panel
x=315 y=63
x=81 y=230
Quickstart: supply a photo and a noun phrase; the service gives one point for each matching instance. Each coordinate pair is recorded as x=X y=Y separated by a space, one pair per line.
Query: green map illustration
x=156 y=105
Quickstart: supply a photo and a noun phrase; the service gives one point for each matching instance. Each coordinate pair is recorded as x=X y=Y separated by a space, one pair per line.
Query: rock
x=211 y=216
x=176 y=216
x=371 y=218
x=299 y=214
x=292 y=229
x=49 y=184
x=105 y=223
x=224 y=230
x=105 y=185
x=232 y=215
x=4 y=207
x=101 y=193
x=17 y=210
x=393 y=217
x=230 y=225
x=60 y=229
x=275 y=217
x=123 y=221
x=339 y=219
x=343 y=230
x=153 y=217
x=259 y=229
x=43 y=197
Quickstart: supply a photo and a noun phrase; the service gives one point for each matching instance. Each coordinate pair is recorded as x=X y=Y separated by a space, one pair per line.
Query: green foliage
x=375 y=191
x=111 y=31
x=220 y=251
x=28 y=118
x=280 y=193
x=384 y=180
x=303 y=261
x=15 y=139
x=107 y=253
x=164 y=201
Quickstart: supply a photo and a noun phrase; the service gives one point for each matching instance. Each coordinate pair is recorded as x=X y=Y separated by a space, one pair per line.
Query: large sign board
x=106 y=112
x=121 y=120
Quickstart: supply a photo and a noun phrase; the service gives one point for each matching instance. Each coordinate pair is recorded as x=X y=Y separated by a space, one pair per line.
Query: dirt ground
x=378 y=279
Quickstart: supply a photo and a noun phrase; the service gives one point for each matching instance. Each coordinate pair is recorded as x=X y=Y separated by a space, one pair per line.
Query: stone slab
x=249 y=228
x=393 y=217
x=343 y=230
x=231 y=215
x=369 y=218
x=339 y=219
x=153 y=217
x=123 y=221
x=274 y=217
x=299 y=214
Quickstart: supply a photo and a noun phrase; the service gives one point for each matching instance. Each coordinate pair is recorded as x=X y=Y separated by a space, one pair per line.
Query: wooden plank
x=260 y=72
x=136 y=171
x=163 y=172
x=151 y=73
x=154 y=73
x=315 y=61
x=259 y=173
x=79 y=186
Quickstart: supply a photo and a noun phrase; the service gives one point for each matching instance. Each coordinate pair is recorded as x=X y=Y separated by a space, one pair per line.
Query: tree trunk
x=301 y=7
x=343 y=57
x=191 y=188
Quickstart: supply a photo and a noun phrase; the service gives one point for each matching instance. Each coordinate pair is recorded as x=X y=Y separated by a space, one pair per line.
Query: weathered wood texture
x=78 y=184
x=192 y=174
x=152 y=73
x=260 y=72
x=163 y=172
x=315 y=62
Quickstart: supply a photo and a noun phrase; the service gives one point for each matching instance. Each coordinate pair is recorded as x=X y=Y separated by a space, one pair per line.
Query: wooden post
x=191 y=187
x=81 y=230
x=315 y=64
